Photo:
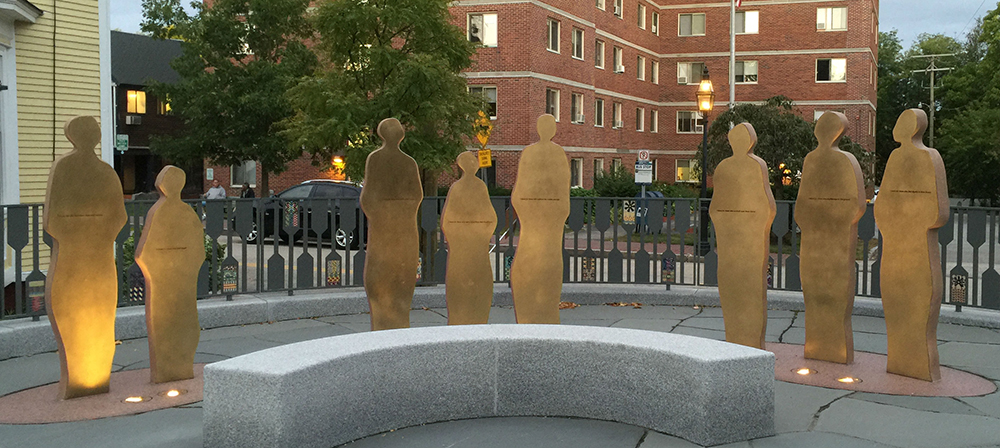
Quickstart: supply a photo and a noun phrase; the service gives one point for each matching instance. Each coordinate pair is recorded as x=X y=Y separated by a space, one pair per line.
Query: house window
x=642 y=16
x=599 y=54
x=619 y=9
x=616 y=115
x=554 y=35
x=831 y=19
x=163 y=105
x=640 y=64
x=640 y=119
x=489 y=96
x=654 y=121
x=689 y=72
x=691 y=24
x=598 y=167
x=747 y=22
x=245 y=172
x=655 y=23
x=746 y=72
x=685 y=170
x=136 y=102
x=552 y=102
x=577 y=43
x=576 y=173
x=689 y=122
x=616 y=164
x=655 y=72
x=600 y=5
x=599 y=113
x=831 y=70
x=617 y=59
x=656 y=168
x=576 y=109
x=483 y=29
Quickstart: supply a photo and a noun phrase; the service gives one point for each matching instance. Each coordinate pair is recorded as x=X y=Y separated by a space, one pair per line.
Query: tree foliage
x=162 y=19
x=381 y=59
x=239 y=59
x=783 y=138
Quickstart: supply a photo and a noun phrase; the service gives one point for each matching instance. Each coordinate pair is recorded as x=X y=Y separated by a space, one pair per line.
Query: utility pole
x=932 y=70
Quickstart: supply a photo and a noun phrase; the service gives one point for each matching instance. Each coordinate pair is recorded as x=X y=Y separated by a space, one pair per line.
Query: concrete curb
x=22 y=337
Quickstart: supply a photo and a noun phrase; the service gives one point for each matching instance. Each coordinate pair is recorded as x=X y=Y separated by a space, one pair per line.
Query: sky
x=909 y=17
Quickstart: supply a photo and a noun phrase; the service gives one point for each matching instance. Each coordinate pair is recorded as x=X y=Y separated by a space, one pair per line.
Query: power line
x=974 y=15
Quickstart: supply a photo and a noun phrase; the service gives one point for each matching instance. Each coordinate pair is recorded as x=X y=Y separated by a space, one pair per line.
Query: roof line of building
x=651 y=2
x=21 y=10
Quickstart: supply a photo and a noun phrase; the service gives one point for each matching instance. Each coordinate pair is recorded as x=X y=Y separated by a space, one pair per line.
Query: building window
x=552 y=102
x=654 y=121
x=617 y=59
x=640 y=64
x=244 y=173
x=598 y=167
x=616 y=115
x=616 y=164
x=599 y=54
x=640 y=119
x=619 y=9
x=136 y=102
x=831 y=70
x=554 y=35
x=489 y=96
x=600 y=5
x=655 y=72
x=576 y=173
x=831 y=19
x=685 y=170
x=163 y=106
x=747 y=22
x=641 y=13
x=576 y=109
x=599 y=113
x=655 y=23
x=656 y=168
x=746 y=72
x=577 y=43
x=691 y=24
x=689 y=72
x=689 y=122
x=483 y=29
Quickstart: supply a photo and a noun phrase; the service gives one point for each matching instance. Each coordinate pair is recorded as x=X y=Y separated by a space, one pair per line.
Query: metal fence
x=261 y=245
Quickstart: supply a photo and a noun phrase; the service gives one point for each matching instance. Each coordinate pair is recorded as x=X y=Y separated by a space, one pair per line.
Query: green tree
x=783 y=140
x=381 y=59
x=239 y=59
x=616 y=183
x=163 y=19
x=898 y=90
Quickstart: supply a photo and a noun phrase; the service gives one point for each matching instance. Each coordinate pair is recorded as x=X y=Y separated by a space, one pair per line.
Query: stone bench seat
x=330 y=391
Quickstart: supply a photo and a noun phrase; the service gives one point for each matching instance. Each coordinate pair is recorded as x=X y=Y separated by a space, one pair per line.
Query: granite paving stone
x=943 y=405
x=701 y=333
x=235 y=346
x=981 y=359
x=715 y=311
x=27 y=372
x=347 y=319
x=814 y=439
x=964 y=333
x=987 y=404
x=629 y=312
x=589 y=322
x=902 y=427
x=863 y=342
x=255 y=329
x=654 y=439
x=173 y=428
x=304 y=334
x=860 y=324
x=664 y=325
x=795 y=405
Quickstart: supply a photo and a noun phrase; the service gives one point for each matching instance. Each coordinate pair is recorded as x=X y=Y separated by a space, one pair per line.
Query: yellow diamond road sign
x=485 y=158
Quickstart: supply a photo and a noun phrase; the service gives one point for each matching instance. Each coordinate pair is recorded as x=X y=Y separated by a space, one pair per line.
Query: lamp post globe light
x=706 y=101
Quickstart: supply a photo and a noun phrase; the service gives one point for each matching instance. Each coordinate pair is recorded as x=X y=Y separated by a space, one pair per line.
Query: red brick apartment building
x=621 y=75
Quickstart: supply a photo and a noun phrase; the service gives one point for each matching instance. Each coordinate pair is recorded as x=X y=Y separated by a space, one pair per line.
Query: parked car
x=305 y=193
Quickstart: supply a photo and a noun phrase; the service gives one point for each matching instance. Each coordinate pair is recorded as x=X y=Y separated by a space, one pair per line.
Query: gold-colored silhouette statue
x=84 y=211
x=170 y=253
x=742 y=210
x=390 y=199
x=541 y=200
x=468 y=221
x=912 y=205
x=831 y=201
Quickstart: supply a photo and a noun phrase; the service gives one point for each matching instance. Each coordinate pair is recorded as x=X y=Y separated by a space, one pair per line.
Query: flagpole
x=732 y=53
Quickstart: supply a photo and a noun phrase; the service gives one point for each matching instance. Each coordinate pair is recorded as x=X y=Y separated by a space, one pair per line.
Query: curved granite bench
x=330 y=391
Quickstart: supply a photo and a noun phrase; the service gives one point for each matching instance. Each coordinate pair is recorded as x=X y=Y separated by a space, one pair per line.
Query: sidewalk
x=804 y=416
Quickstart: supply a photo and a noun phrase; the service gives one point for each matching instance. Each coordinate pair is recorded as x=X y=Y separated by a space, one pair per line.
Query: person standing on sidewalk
x=216 y=192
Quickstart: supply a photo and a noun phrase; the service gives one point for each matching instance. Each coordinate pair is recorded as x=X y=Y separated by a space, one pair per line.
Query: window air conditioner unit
x=618 y=10
x=820 y=26
x=580 y=118
x=133 y=119
x=619 y=124
x=655 y=29
x=698 y=128
x=682 y=80
x=620 y=69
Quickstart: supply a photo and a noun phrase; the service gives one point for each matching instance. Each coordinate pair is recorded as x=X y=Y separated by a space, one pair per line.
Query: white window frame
x=616 y=116
x=576 y=179
x=640 y=64
x=742 y=65
x=691 y=76
x=485 y=32
x=617 y=59
x=826 y=17
x=599 y=54
x=553 y=45
x=691 y=16
x=640 y=119
x=601 y=5
x=616 y=164
x=751 y=22
x=641 y=13
x=655 y=23
x=656 y=168
x=654 y=70
x=598 y=167
x=549 y=106
x=695 y=128
x=234 y=182
x=576 y=114
x=484 y=88
x=619 y=9
x=692 y=164
x=599 y=113
x=654 y=121
x=830 y=75
x=577 y=38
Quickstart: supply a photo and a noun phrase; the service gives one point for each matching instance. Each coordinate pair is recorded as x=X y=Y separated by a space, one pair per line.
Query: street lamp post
x=706 y=100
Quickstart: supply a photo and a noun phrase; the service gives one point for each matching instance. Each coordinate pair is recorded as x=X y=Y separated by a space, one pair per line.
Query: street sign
x=485 y=158
x=644 y=155
x=643 y=172
x=121 y=143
